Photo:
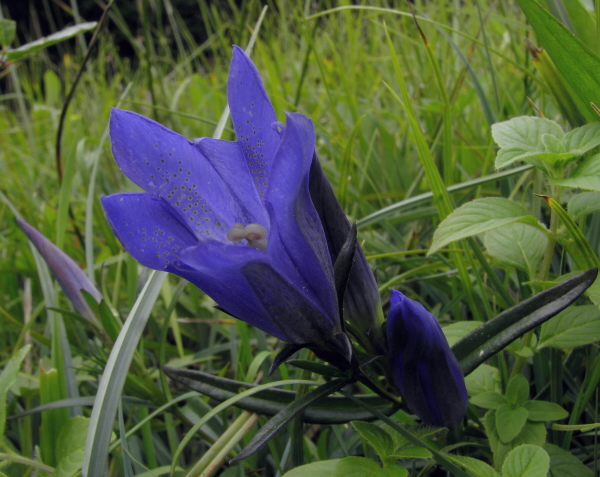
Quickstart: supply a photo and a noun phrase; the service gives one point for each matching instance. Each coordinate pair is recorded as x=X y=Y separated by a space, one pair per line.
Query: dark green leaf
x=280 y=420
x=332 y=410
x=565 y=464
x=496 y=334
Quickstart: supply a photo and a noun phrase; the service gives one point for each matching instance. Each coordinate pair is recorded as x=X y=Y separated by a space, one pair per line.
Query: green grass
x=379 y=146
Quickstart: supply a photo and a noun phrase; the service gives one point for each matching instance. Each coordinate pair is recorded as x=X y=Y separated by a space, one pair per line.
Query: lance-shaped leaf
x=331 y=410
x=493 y=336
x=68 y=274
x=279 y=421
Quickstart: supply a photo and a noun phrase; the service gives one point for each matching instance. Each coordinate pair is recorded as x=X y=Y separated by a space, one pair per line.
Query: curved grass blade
x=95 y=461
x=496 y=334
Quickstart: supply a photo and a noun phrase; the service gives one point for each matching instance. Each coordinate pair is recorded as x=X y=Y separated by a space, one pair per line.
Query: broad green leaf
x=584 y=203
x=70 y=465
x=544 y=411
x=517 y=391
x=510 y=421
x=526 y=461
x=485 y=378
x=521 y=138
x=457 y=331
x=72 y=436
x=553 y=144
x=585 y=176
x=583 y=139
x=489 y=400
x=576 y=62
x=378 y=438
x=323 y=468
x=7 y=379
x=45 y=42
x=479 y=216
x=8 y=31
x=565 y=464
x=518 y=245
x=575 y=326
x=475 y=467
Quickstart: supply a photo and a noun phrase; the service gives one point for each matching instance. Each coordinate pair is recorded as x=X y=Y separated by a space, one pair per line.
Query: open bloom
x=424 y=367
x=234 y=218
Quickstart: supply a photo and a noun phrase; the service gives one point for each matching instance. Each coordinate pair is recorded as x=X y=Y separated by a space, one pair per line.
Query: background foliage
x=465 y=67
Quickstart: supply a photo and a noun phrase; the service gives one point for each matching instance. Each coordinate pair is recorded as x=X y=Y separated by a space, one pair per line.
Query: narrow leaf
x=278 y=422
x=496 y=334
x=544 y=411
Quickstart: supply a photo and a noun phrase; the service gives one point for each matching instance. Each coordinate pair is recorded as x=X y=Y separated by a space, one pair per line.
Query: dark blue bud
x=424 y=367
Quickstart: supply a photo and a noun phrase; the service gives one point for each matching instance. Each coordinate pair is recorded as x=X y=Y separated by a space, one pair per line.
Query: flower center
x=255 y=234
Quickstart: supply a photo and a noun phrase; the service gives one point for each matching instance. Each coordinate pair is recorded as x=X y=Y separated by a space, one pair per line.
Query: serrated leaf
x=518 y=245
x=475 y=467
x=521 y=138
x=583 y=139
x=553 y=144
x=565 y=464
x=377 y=437
x=584 y=203
x=489 y=400
x=457 y=331
x=485 y=378
x=479 y=216
x=8 y=31
x=585 y=176
x=517 y=391
x=573 y=327
x=510 y=421
x=44 y=42
x=526 y=461
x=544 y=411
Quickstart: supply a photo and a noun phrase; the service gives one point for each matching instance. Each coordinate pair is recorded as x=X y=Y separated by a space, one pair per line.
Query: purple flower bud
x=68 y=274
x=424 y=367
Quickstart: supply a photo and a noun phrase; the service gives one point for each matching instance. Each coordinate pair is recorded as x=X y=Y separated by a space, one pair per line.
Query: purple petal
x=424 y=367
x=167 y=164
x=300 y=232
x=148 y=229
x=253 y=118
x=68 y=274
x=228 y=162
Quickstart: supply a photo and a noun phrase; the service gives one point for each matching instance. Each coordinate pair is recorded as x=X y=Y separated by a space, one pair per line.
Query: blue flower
x=424 y=367
x=234 y=218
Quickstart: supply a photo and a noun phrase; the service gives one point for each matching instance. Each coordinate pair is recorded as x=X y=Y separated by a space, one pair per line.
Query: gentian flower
x=424 y=367
x=234 y=218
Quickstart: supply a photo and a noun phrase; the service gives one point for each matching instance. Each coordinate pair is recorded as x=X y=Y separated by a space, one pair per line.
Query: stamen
x=255 y=234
